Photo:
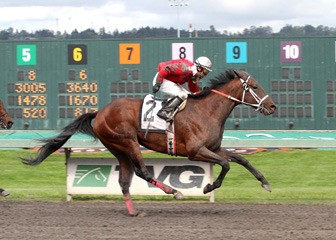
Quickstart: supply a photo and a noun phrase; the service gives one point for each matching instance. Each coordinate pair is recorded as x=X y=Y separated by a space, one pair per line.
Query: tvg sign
x=183 y=177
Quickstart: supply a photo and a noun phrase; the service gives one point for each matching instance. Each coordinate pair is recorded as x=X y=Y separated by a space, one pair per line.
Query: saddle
x=148 y=118
x=150 y=122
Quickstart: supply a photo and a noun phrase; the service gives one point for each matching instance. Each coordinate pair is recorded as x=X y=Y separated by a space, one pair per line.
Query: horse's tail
x=82 y=124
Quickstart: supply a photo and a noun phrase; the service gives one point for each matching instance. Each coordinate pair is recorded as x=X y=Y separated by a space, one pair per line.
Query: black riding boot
x=167 y=112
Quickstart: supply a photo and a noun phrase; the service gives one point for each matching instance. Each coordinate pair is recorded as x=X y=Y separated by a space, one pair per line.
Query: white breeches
x=173 y=89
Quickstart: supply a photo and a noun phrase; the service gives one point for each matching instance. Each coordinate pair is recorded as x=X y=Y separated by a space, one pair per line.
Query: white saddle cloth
x=149 y=119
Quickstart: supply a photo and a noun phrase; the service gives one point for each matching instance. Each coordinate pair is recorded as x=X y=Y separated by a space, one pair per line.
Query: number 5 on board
x=26 y=54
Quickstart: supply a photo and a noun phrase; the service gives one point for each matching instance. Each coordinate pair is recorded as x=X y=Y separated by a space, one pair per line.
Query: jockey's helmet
x=204 y=62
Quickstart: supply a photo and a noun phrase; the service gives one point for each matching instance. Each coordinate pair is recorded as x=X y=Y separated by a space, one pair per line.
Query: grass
x=296 y=177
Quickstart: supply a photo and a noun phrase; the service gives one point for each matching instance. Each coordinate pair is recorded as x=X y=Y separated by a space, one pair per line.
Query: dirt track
x=88 y=220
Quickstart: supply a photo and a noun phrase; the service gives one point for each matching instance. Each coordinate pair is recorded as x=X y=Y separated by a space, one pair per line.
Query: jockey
x=170 y=77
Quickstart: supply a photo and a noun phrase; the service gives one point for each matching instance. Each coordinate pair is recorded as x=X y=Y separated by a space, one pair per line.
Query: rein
x=246 y=88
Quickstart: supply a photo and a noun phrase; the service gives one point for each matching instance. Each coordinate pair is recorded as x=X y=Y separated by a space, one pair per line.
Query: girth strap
x=171 y=142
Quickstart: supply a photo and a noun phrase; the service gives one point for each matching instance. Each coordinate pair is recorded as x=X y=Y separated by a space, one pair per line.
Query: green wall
x=46 y=84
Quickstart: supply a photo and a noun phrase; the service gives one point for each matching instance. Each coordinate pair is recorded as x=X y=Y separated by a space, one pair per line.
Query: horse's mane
x=219 y=80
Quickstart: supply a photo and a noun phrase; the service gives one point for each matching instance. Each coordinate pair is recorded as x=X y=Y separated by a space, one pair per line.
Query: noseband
x=246 y=88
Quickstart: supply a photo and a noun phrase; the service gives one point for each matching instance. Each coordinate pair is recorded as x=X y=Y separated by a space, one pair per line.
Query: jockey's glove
x=156 y=87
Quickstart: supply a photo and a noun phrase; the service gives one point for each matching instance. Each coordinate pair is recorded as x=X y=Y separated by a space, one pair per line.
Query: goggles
x=203 y=70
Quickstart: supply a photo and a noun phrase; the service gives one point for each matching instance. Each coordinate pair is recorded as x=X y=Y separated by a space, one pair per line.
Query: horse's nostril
x=273 y=107
x=10 y=124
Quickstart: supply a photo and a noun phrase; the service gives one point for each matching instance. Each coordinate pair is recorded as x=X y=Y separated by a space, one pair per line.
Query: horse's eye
x=254 y=86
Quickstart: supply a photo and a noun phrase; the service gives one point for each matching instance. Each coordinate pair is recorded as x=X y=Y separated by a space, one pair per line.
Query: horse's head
x=253 y=94
x=5 y=120
x=240 y=87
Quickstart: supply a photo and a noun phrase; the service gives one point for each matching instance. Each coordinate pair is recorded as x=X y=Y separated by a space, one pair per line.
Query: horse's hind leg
x=134 y=154
x=125 y=178
x=126 y=171
x=233 y=157
x=130 y=162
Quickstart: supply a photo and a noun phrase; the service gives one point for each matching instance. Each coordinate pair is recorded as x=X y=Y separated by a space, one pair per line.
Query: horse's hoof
x=267 y=187
x=142 y=214
x=178 y=195
x=133 y=214
x=4 y=193
x=137 y=214
x=207 y=188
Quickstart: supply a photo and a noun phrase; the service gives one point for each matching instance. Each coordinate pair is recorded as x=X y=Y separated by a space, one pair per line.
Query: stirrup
x=165 y=116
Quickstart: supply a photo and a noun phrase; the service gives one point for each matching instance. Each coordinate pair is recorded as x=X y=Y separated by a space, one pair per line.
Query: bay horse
x=5 y=123
x=199 y=129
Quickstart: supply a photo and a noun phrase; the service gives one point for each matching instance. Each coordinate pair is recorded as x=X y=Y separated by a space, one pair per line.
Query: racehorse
x=198 y=128
x=5 y=123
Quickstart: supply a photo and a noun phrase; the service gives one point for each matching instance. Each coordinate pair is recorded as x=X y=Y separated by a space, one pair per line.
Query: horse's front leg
x=3 y=192
x=205 y=155
x=144 y=174
x=233 y=157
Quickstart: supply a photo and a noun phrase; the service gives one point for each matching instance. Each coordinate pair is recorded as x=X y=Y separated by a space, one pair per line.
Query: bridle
x=246 y=88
